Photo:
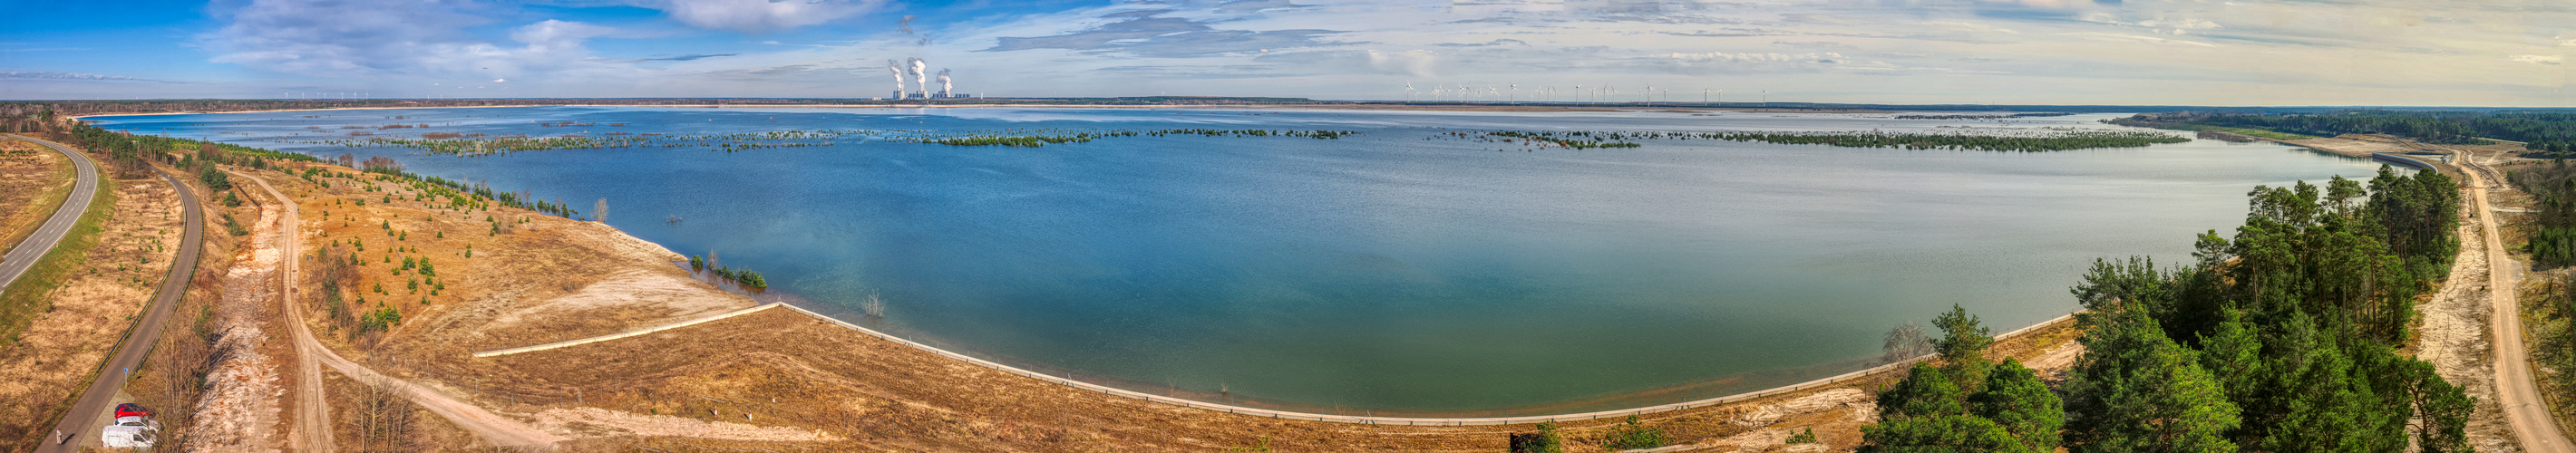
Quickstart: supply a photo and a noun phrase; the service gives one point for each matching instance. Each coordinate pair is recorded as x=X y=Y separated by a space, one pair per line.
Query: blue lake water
x=1381 y=273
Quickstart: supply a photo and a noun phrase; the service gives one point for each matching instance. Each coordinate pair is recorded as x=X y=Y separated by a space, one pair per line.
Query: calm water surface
x=1381 y=273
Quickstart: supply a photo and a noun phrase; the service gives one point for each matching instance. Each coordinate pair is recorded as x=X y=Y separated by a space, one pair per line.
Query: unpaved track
x=140 y=339
x=492 y=427
x=2515 y=390
x=312 y=428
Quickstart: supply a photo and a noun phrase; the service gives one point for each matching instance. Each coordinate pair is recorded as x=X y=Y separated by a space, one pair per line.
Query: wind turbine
x=1514 y=95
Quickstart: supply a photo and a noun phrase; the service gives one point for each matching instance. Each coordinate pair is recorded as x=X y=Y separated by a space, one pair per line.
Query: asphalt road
x=84 y=188
x=139 y=340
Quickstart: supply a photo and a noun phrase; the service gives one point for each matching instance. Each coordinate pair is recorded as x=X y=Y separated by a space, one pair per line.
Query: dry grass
x=33 y=181
x=782 y=369
x=84 y=316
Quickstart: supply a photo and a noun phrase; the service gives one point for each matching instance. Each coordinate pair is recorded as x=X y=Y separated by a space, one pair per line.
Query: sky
x=2504 y=53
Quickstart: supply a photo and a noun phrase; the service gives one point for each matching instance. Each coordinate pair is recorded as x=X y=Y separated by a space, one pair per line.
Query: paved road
x=2515 y=390
x=84 y=188
x=312 y=426
x=139 y=340
x=492 y=427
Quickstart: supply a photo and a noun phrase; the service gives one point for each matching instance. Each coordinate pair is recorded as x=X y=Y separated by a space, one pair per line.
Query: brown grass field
x=33 y=181
x=128 y=250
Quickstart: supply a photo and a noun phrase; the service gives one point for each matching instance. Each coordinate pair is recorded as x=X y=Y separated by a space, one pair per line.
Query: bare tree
x=383 y=419
x=1906 y=341
x=874 y=306
x=182 y=360
x=599 y=211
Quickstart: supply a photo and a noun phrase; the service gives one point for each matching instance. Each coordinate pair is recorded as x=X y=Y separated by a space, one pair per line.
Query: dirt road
x=492 y=427
x=2514 y=387
x=138 y=341
x=312 y=428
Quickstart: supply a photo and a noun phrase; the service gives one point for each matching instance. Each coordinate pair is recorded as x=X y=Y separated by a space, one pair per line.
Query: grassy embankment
x=22 y=301
x=29 y=298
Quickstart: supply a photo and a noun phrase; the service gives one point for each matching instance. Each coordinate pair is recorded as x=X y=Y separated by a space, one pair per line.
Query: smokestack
x=897 y=68
x=921 y=76
x=944 y=86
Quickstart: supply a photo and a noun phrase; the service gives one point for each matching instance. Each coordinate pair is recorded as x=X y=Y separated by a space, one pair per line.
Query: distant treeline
x=99 y=107
x=128 y=151
x=985 y=139
x=127 y=154
x=2447 y=127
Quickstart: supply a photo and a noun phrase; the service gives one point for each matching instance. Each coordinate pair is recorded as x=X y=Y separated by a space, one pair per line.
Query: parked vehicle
x=134 y=428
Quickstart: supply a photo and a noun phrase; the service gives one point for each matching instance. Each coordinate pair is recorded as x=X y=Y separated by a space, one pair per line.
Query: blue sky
x=2335 y=52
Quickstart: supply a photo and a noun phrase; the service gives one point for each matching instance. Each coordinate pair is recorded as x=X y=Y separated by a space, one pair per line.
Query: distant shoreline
x=1500 y=108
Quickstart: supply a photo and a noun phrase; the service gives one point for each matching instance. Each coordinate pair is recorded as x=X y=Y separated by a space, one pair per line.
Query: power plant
x=920 y=77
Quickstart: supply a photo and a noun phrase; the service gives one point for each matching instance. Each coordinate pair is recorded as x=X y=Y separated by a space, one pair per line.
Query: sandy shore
x=782 y=379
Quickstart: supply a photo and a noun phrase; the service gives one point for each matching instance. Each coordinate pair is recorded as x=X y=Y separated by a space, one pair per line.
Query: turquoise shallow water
x=1381 y=273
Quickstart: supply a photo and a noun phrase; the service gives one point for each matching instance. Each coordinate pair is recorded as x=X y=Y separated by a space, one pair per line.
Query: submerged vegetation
x=748 y=280
x=2282 y=338
x=481 y=145
x=2034 y=142
x=981 y=139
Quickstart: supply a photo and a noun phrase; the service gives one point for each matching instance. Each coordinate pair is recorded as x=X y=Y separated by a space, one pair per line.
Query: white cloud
x=392 y=39
x=1412 y=62
x=2537 y=59
x=2183 y=24
x=755 y=16
x=1723 y=57
x=1971 y=28
x=2116 y=37
x=67 y=76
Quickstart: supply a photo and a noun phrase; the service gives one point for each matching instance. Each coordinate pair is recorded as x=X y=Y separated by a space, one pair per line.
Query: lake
x=1387 y=273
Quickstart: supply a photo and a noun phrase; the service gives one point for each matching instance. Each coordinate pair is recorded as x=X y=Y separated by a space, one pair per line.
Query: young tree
x=2137 y=391
x=1925 y=392
x=1963 y=348
x=1949 y=433
x=599 y=211
x=2018 y=401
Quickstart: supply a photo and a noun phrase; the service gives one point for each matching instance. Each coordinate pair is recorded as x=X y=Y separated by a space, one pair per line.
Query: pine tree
x=2022 y=404
x=1963 y=348
x=2137 y=391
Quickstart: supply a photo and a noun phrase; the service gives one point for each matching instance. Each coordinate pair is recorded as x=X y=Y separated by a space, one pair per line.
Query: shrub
x=1635 y=434
x=1544 y=441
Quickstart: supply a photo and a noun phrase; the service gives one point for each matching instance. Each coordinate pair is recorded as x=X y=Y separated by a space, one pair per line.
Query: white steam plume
x=944 y=86
x=920 y=73
x=897 y=68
